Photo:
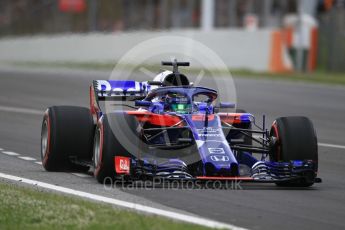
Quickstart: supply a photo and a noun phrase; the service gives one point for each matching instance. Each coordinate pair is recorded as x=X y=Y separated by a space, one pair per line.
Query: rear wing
x=112 y=90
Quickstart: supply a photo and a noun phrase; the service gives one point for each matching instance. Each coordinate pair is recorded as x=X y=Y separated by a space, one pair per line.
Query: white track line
x=81 y=175
x=38 y=162
x=10 y=153
x=1 y=149
x=134 y=206
x=21 y=110
x=331 y=145
x=27 y=158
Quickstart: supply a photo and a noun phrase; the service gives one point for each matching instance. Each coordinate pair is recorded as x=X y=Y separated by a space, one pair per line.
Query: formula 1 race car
x=168 y=128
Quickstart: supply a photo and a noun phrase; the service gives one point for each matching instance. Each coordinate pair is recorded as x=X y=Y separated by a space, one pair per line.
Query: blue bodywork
x=212 y=146
x=206 y=133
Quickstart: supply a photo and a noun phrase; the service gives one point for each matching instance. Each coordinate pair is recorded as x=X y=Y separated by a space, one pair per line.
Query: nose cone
x=212 y=169
x=214 y=150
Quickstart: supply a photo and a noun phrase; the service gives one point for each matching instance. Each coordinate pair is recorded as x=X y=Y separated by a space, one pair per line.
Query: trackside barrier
x=259 y=50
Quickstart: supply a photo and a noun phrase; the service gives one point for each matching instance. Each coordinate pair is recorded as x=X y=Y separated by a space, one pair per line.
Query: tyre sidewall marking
x=46 y=155
x=278 y=147
x=100 y=160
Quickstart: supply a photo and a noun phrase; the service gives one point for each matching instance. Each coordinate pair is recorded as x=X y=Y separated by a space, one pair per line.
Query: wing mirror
x=143 y=103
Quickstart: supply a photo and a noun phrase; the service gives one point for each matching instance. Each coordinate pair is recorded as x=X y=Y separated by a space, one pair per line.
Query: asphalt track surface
x=24 y=95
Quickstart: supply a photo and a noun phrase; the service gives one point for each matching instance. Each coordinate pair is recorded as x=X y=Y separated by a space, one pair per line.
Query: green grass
x=320 y=77
x=27 y=208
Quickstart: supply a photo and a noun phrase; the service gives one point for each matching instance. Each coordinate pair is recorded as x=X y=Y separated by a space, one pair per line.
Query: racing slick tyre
x=107 y=145
x=294 y=139
x=67 y=133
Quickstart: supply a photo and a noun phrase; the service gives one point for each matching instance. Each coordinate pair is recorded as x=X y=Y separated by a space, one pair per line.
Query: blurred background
x=311 y=32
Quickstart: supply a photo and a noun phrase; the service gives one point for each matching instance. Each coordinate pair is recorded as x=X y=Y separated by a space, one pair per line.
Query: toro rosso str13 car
x=168 y=128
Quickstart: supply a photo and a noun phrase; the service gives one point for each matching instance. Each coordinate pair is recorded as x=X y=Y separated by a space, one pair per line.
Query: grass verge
x=27 y=208
x=320 y=77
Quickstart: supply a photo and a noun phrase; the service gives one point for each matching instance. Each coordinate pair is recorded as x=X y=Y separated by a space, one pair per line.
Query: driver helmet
x=177 y=103
x=161 y=76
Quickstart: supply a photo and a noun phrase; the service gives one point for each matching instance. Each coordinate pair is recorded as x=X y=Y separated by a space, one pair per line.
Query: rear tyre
x=67 y=132
x=295 y=139
x=107 y=145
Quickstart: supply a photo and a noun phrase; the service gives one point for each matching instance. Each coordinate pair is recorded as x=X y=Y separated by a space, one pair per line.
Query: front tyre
x=294 y=140
x=67 y=131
